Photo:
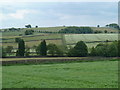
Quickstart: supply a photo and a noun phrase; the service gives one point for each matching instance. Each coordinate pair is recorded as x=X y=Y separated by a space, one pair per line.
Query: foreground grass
x=98 y=74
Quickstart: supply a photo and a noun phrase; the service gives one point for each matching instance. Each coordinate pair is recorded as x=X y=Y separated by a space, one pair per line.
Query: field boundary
x=54 y=60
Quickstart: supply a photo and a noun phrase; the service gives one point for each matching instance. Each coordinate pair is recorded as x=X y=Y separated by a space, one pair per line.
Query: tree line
x=79 y=50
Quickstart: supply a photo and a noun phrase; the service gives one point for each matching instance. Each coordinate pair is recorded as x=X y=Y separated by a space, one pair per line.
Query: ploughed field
x=97 y=74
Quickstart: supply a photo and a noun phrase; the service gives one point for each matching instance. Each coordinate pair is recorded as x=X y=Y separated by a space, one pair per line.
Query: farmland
x=90 y=39
x=65 y=75
x=8 y=38
x=59 y=72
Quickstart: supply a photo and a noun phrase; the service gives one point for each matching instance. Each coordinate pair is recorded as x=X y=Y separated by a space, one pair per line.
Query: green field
x=69 y=40
x=90 y=39
x=98 y=74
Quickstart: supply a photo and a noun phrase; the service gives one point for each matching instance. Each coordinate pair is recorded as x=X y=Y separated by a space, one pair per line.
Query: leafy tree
x=27 y=51
x=93 y=52
x=36 y=26
x=42 y=48
x=28 y=26
x=113 y=25
x=54 y=50
x=105 y=31
x=3 y=52
x=98 y=25
x=13 y=29
x=112 y=50
x=21 y=48
x=17 y=40
x=59 y=52
x=107 y=50
x=9 y=50
x=80 y=49
x=29 y=32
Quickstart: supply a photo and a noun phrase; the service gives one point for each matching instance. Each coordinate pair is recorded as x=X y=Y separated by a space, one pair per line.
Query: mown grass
x=98 y=74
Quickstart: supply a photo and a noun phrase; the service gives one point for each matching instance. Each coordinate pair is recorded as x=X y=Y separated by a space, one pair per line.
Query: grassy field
x=98 y=74
x=32 y=40
x=90 y=39
x=8 y=38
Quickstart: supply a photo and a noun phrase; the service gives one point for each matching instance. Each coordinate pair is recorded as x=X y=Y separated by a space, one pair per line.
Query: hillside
x=62 y=40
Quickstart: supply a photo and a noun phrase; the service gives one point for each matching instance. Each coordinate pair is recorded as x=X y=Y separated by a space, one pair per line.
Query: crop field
x=32 y=40
x=90 y=39
x=97 y=74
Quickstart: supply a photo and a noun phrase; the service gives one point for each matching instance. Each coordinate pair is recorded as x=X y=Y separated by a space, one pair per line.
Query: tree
x=54 y=50
x=105 y=31
x=17 y=40
x=27 y=51
x=9 y=49
x=42 y=48
x=112 y=50
x=21 y=47
x=80 y=49
x=98 y=25
x=93 y=52
x=113 y=25
x=29 y=32
x=107 y=50
x=3 y=52
x=28 y=26
x=36 y=26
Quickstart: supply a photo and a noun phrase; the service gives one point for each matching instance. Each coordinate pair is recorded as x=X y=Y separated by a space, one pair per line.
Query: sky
x=51 y=14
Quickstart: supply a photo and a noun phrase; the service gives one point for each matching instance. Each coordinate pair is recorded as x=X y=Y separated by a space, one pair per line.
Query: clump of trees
x=14 y=29
x=28 y=26
x=29 y=32
x=110 y=49
x=113 y=25
x=107 y=50
x=77 y=30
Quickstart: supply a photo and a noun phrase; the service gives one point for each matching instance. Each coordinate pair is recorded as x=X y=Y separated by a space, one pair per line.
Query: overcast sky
x=18 y=14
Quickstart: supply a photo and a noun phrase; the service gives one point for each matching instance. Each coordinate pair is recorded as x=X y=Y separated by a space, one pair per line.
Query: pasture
x=97 y=74
x=90 y=39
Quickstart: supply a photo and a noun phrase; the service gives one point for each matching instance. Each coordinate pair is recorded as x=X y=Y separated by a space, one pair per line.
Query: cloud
x=20 y=14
